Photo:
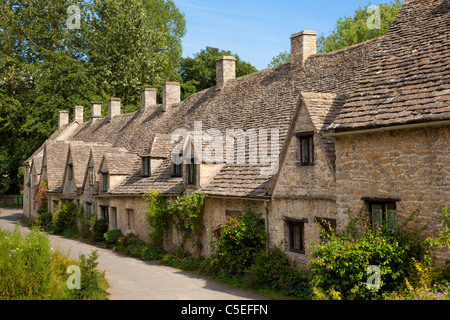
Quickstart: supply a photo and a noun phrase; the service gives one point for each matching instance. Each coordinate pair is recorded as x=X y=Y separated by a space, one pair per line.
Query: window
x=70 y=172
x=296 y=233
x=146 y=166
x=105 y=181
x=104 y=213
x=177 y=170
x=130 y=219
x=306 y=148
x=191 y=172
x=383 y=215
x=88 y=208
x=296 y=230
x=91 y=175
x=328 y=226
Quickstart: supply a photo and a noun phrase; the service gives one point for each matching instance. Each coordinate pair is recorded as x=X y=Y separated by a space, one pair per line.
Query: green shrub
x=112 y=236
x=238 y=240
x=64 y=218
x=99 y=229
x=341 y=261
x=153 y=253
x=91 y=279
x=274 y=270
x=44 y=221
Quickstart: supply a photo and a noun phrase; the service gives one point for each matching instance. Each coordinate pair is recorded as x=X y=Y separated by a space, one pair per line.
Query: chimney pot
x=78 y=114
x=225 y=69
x=148 y=98
x=63 y=118
x=171 y=94
x=96 y=110
x=303 y=45
x=113 y=107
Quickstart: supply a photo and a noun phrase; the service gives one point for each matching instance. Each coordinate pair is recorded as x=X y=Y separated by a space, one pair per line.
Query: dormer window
x=91 y=175
x=146 y=167
x=192 y=172
x=306 y=140
x=105 y=181
x=70 y=172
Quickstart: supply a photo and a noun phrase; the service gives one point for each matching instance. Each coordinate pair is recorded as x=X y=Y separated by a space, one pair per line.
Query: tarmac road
x=133 y=279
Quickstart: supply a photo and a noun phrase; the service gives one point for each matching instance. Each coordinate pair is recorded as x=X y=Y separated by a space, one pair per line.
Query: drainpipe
x=266 y=223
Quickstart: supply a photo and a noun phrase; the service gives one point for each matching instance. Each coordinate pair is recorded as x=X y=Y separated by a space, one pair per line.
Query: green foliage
x=186 y=213
x=92 y=285
x=64 y=219
x=121 y=47
x=157 y=215
x=238 y=241
x=274 y=270
x=99 y=229
x=44 y=221
x=199 y=72
x=112 y=236
x=341 y=261
x=353 y=30
x=135 y=247
x=29 y=269
x=442 y=238
x=281 y=58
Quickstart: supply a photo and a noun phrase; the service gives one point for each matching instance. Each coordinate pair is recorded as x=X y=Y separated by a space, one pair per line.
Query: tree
x=281 y=58
x=199 y=72
x=361 y=27
x=352 y=30
x=45 y=66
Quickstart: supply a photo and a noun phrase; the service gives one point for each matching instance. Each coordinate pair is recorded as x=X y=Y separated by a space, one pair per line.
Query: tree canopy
x=199 y=72
x=367 y=23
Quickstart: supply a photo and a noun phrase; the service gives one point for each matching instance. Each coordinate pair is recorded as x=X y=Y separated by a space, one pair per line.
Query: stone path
x=133 y=279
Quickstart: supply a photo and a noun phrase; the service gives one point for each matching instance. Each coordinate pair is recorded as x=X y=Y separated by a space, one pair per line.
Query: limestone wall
x=412 y=166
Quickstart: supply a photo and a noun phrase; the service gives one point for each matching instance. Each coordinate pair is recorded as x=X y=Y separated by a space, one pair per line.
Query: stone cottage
x=361 y=128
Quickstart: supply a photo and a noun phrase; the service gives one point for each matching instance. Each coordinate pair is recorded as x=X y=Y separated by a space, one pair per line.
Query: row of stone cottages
x=364 y=128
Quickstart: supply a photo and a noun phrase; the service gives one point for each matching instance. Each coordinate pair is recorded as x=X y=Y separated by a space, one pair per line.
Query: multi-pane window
x=177 y=170
x=146 y=166
x=306 y=148
x=105 y=179
x=383 y=215
x=296 y=236
x=104 y=211
x=91 y=175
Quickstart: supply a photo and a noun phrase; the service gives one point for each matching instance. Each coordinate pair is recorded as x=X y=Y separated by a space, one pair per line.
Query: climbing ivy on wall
x=186 y=212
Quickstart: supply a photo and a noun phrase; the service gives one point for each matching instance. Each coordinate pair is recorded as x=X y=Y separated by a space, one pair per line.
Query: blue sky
x=257 y=30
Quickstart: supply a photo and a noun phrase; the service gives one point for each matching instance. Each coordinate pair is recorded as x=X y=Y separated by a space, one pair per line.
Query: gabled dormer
x=114 y=168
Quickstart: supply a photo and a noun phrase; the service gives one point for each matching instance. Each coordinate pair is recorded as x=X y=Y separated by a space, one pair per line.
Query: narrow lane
x=133 y=279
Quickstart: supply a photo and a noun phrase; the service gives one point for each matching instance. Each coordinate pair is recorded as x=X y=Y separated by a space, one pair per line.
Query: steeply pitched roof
x=267 y=99
x=55 y=154
x=408 y=77
x=323 y=109
x=120 y=163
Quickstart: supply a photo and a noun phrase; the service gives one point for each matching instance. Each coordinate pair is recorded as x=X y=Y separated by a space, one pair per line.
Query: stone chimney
x=148 y=98
x=225 y=69
x=96 y=110
x=78 y=114
x=303 y=45
x=113 y=108
x=171 y=94
x=63 y=118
